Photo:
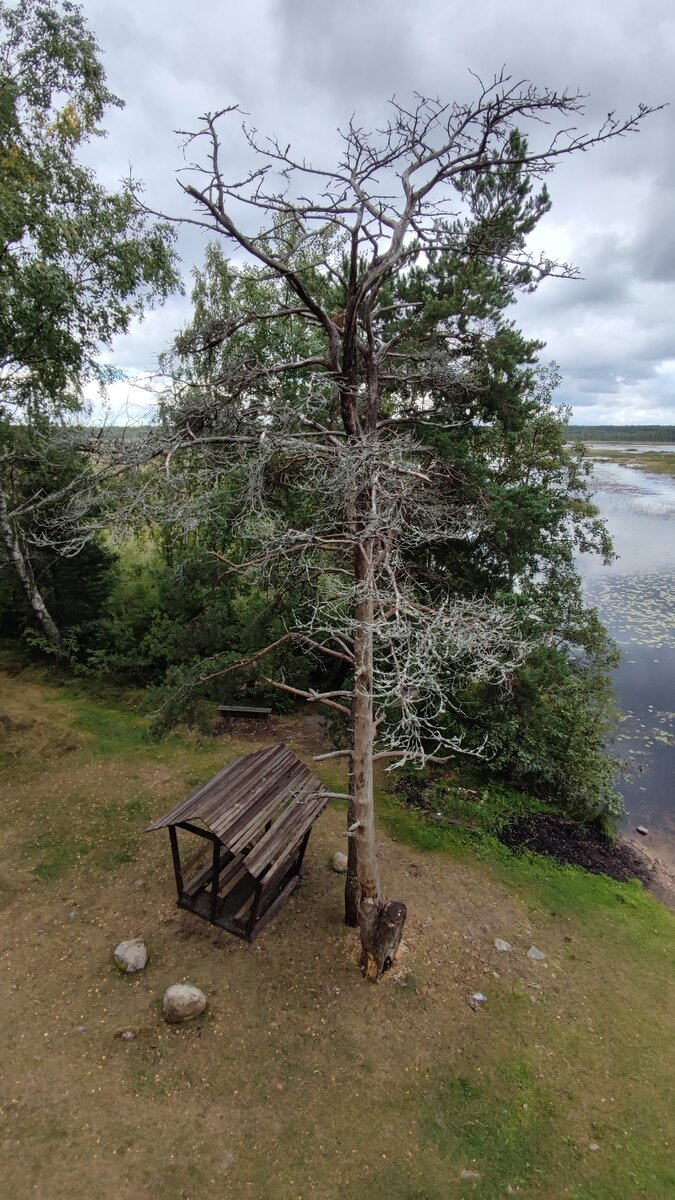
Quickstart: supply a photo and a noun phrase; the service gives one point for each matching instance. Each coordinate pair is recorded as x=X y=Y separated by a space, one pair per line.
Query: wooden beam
x=205 y=833
x=175 y=854
x=215 y=879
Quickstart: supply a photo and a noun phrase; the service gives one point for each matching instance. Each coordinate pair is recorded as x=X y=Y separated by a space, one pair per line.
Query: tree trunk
x=381 y=923
x=25 y=572
x=352 y=894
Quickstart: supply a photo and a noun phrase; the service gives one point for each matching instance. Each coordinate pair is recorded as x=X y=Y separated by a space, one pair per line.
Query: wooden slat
x=221 y=808
x=251 y=795
x=286 y=832
x=244 y=828
x=236 y=710
x=231 y=774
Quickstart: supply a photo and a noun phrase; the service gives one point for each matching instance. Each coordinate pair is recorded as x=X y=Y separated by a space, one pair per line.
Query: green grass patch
x=500 y=1124
x=658 y=462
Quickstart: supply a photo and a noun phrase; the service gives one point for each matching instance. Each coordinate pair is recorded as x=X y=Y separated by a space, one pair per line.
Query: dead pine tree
x=341 y=399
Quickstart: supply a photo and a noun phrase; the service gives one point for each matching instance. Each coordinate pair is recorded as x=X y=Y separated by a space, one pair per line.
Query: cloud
x=301 y=67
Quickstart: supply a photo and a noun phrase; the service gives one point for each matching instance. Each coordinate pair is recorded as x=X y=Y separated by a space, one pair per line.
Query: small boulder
x=131 y=956
x=500 y=944
x=642 y=829
x=537 y=955
x=182 y=1002
x=340 y=861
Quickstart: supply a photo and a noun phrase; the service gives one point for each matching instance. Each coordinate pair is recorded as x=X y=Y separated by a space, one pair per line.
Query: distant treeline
x=621 y=433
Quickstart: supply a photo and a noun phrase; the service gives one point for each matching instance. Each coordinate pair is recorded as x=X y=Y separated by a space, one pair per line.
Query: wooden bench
x=233 y=710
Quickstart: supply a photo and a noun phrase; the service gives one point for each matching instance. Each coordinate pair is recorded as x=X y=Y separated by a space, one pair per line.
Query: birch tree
x=343 y=409
x=76 y=262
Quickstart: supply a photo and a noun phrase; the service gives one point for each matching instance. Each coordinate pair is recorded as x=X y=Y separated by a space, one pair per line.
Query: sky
x=300 y=68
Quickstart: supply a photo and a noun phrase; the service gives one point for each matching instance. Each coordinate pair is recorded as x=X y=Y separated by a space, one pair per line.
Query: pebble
x=131 y=956
x=182 y=1002
x=126 y=1035
x=80 y=1028
x=466 y=1174
x=476 y=1001
x=340 y=862
x=537 y=955
x=500 y=944
x=594 y=1146
x=642 y=829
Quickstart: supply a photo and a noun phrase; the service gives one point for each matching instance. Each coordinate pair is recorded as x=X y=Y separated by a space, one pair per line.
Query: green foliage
x=77 y=262
x=622 y=433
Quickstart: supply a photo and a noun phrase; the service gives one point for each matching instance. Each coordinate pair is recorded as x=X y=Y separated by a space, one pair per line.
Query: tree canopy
x=77 y=262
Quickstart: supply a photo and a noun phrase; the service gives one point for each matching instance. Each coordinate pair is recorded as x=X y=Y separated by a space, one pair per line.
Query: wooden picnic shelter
x=257 y=813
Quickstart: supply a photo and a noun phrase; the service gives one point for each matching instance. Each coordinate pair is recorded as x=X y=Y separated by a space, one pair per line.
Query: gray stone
x=476 y=1001
x=537 y=955
x=80 y=1028
x=131 y=956
x=594 y=1146
x=642 y=829
x=182 y=1002
x=340 y=861
x=465 y=1173
x=500 y=944
x=126 y=1035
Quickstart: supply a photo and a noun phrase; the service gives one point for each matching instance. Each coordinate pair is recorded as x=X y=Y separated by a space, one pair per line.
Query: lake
x=635 y=598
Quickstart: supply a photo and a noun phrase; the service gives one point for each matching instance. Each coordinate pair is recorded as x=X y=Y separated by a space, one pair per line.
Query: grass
x=301 y=1082
x=657 y=462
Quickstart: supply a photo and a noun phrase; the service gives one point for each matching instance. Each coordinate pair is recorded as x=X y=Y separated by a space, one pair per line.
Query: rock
x=80 y=1028
x=126 y=1035
x=72 y=916
x=476 y=1001
x=131 y=956
x=537 y=955
x=642 y=829
x=594 y=1146
x=466 y=1174
x=182 y=1002
x=500 y=944
x=340 y=861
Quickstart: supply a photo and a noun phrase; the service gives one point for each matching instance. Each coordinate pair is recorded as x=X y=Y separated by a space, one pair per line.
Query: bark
x=363 y=835
x=381 y=923
x=24 y=571
x=352 y=879
x=381 y=930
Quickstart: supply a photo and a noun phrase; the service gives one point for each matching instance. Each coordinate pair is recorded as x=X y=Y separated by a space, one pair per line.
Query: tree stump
x=381 y=931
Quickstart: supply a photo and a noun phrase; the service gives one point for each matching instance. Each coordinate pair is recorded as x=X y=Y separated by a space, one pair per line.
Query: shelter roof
x=271 y=786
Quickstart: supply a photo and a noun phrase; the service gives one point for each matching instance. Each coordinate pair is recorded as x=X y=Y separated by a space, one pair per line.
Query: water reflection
x=635 y=597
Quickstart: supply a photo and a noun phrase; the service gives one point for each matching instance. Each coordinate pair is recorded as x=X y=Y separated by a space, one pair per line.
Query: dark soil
x=579 y=845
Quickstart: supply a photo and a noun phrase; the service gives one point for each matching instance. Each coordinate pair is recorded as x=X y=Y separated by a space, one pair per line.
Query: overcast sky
x=301 y=67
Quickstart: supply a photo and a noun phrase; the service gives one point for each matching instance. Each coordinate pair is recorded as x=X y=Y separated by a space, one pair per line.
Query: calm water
x=636 y=600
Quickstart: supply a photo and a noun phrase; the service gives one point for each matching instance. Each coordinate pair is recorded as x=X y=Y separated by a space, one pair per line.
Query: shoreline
x=659 y=855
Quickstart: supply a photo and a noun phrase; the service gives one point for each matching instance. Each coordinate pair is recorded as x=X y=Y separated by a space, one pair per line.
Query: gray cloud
x=301 y=67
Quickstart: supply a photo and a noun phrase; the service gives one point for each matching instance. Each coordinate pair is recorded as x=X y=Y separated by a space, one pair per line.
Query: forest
x=622 y=433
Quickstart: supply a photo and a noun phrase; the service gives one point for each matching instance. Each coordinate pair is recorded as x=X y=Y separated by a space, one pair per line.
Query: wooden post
x=176 y=861
x=215 y=878
x=303 y=847
x=250 y=924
